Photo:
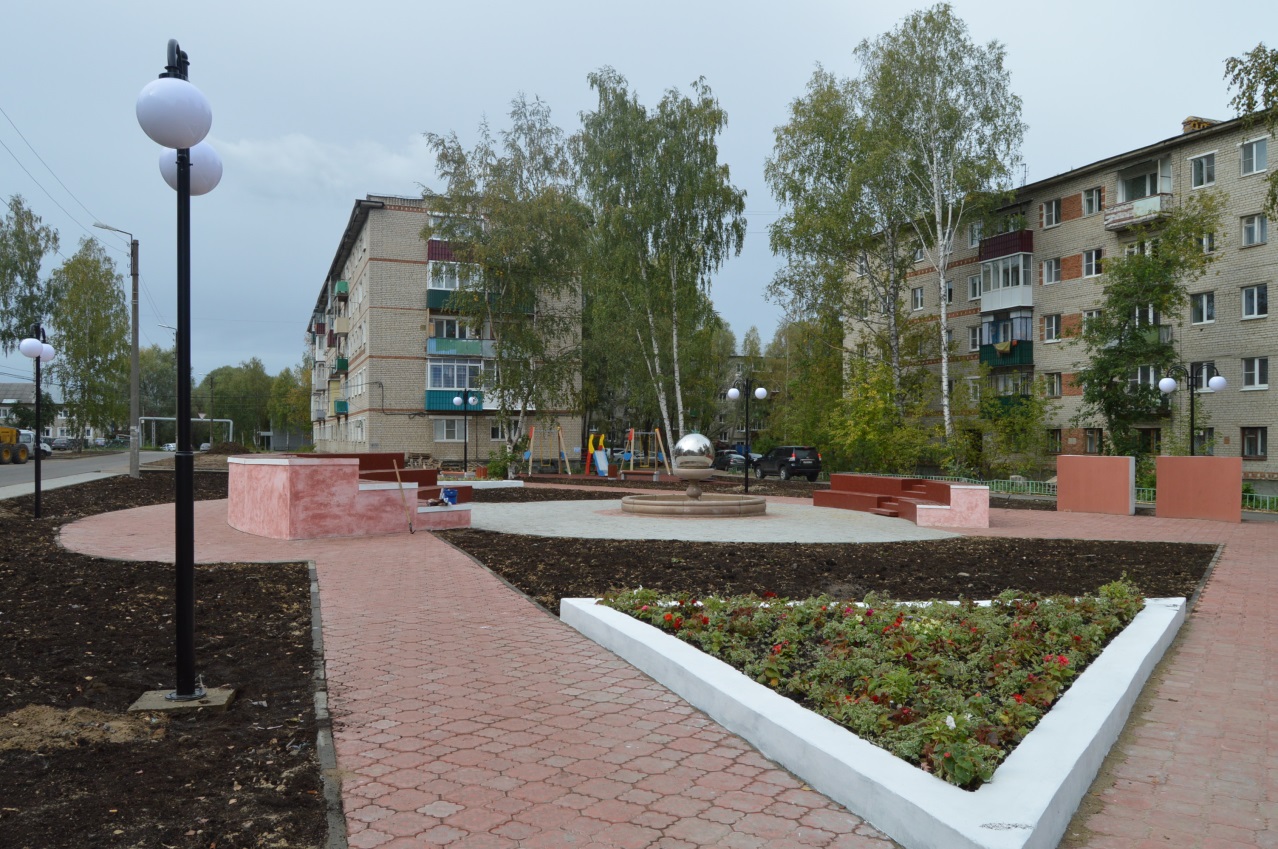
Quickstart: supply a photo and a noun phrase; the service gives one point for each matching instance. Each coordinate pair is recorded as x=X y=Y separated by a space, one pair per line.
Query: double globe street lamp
x=37 y=347
x=733 y=394
x=466 y=403
x=177 y=115
x=1168 y=385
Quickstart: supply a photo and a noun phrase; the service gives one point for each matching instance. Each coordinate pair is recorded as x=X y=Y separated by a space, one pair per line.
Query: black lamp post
x=734 y=393
x=465 y=402
x=175 y=114
x=1214 y=384
x=37 y=347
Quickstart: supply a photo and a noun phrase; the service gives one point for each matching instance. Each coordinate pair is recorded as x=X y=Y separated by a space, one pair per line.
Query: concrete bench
x=926 y=503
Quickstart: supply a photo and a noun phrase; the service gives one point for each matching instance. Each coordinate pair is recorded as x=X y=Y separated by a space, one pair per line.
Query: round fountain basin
x=709 y=504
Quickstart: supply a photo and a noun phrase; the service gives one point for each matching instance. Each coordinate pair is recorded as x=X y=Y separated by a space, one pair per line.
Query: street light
x=135 y=373
x=177 y=115
x=1168 y=385
x=733 y=394
x=37 y=347
x=465 y=407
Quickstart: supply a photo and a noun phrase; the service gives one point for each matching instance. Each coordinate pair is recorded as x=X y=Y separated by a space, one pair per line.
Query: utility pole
x=135 y=373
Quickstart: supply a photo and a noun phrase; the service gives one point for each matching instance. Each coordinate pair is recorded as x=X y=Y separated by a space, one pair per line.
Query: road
x=66 y=464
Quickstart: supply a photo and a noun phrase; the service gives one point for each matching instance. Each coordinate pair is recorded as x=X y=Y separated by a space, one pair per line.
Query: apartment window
x=862 y=265
x=1255 y=156
x=918 y=253
x=1092 y=262
x=974 y=338
x=454 y=373
x=1202 y=170
x=1255 y=443
x=1144 y=376
x=1052 y=328
x=1052 y=213
x=1150 y=439
x=1092 y=201
x=974 y=234
x=443 y=275
x=1202 y=307
x=1255 y=230
x=451 y=328
x=1255 y=301
x=1090 y=316
x=949 y=291
x=1205 y=441
x=1139 y=182
x=1093 y=440
x=974 y=389
x=448 y=430
x=1052 y=383
x=1054 y=441
x=974 y=287
x=497 y=432
x=1255 y=372
x=1051 y=271
x=1202 y=372
x=916 y=298
x=1207 y=241
x=1006 y=273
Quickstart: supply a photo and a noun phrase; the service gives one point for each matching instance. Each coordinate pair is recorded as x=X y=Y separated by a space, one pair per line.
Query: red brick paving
x=464 y=716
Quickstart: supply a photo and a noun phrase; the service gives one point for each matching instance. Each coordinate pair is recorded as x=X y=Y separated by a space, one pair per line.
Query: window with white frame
x=1144 y=180
x=974 y=338
x=448 y=430
x=1255 y=156
x=1255 y=230
x=974 y=287
x=1051 y=271
x=1092 y=201
x=1054 y=441
x=918 y=253
x=949 y=291
x=1202 y=308
x=443 y=275
x=1006 y=273
x=862 y=264
x=1092 y=262
x=1052 y=328
x=916 y=298
x=1207 y=241
x=974 y=234
x=1145 y=376
x=1093 y=440
x=1052 y=213
x=1255 y=372
x=1205 y=441
x=1201 y=372
x=454 y=373
x=974 y=389
x=1255 y=443
x=1052 y=384
x=1090 y=316
x=1202 y=170
x=1255 y=301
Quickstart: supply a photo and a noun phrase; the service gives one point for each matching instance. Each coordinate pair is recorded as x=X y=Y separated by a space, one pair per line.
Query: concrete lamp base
x=216 y=699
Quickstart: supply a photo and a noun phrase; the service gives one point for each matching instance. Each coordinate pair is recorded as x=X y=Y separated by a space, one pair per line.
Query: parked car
x=787 y=461
x=169 y=446
x=728 y=461
x=205 y=446
x=63 y=443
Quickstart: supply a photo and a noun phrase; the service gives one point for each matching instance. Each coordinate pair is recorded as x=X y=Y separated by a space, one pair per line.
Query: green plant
x=951 y=688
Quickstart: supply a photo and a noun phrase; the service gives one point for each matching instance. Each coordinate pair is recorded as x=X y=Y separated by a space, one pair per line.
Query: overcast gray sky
x=316 y=104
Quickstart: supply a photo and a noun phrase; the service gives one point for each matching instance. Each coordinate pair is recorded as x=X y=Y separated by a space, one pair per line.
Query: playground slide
x=601 y=463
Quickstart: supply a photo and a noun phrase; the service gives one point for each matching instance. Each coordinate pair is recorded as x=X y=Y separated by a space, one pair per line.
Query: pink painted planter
x=1199 y=488
x=312 y=497
x=1092 y=484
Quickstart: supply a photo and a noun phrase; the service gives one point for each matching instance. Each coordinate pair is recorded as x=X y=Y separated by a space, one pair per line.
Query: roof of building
x=17 y=393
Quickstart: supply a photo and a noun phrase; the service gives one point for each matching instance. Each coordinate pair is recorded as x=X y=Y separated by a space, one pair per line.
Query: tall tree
x=290 y=404
x=1254 y=76
x=805 y=373
x=512 y=217
x=846 y=231
x=240 y=393
x=25 y=300
x=157 y=369
x=666 y=217
x=945 y=106
x=91 y=325
x=1140 y=289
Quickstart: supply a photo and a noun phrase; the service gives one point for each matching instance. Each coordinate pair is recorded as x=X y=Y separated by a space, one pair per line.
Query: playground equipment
x=652 y=447
x=549 y=443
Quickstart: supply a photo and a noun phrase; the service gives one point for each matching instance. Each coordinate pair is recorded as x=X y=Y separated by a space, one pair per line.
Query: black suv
x=789 y=461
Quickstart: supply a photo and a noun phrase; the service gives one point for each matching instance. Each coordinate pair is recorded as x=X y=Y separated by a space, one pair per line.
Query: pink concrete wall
x=1199 y=488
x=1095 y=484
x=969 y=507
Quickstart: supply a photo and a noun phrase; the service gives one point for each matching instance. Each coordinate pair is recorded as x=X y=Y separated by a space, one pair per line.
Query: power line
x=46 y=165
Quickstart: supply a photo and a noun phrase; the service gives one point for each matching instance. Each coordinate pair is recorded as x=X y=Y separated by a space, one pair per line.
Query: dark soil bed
x=81 y=638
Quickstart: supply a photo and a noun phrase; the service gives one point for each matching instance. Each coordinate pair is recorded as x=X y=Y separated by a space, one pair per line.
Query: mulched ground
x=81 y=638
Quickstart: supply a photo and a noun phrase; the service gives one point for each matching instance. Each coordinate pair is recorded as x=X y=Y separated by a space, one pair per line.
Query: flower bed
x=951 y=688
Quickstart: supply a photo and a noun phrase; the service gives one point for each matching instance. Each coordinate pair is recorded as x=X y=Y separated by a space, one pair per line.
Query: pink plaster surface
x=441 y=518
x=1094 y=484
x=1199 y=488
x=927 y=503
x=286 y=497
x=969 y=507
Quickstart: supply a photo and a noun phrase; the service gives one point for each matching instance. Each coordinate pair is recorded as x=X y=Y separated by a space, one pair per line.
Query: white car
x=169 y=446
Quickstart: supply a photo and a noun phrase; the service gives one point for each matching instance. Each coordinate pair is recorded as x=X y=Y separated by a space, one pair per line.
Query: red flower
x=1019 y=698
x=947 y=754
x=667 y=617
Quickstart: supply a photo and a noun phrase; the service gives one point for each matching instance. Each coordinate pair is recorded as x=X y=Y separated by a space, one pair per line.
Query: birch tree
x=944 y=105
x=1254 y=78
x=25 y=299
x=512 y=217
x=666 y=217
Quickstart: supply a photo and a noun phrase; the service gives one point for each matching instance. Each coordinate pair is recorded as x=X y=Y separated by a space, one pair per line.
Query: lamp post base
x=163 y=701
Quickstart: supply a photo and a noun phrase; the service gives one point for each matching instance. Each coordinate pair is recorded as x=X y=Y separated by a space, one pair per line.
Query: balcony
x=318 y=414
x=319 y=327
x=461 y=347
x=1020 y=352
x=437 y=298
x=341 y=325
x=340 y=365
x=441 y=400
x=1006 y=244
x=332 y=339
x=1130 y=213
x=341 y=407
x=1157 y=335
x=341 y=290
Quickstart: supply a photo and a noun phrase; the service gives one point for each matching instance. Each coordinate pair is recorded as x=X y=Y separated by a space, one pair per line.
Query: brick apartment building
x=1017 y=297
x=389 y=359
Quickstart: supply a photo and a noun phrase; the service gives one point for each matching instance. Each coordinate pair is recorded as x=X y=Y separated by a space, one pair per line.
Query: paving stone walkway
x=464 y=716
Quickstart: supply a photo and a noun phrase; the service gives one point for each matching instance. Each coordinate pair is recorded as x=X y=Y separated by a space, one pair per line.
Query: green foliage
x=521 y=267
x=868 y=428
x=951 y=688
x=90 y=324
x=1254 y=77
x=240 y=393
x=25 y=300
x=665 y=217
x=290 y=405
x=1166 y=256
x=803 y=369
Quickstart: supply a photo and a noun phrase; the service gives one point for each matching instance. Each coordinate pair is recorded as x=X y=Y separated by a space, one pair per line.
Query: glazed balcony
x=461 y=347
x=341 y=290
x=341 y=325
x=341 y=407
x=340 y=365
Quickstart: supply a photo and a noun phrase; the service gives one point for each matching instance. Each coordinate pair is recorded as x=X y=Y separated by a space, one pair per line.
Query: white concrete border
x=1027 y=805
